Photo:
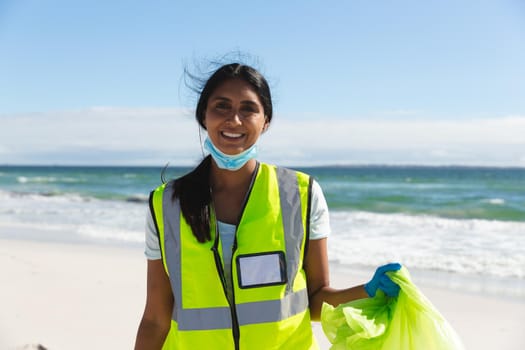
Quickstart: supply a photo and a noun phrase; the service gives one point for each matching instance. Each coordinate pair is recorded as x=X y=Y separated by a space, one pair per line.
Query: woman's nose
x=235 y=117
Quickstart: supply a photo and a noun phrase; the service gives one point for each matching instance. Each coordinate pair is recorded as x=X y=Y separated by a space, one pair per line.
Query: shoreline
x=89 y=296
x=484 y=285
x=475 y=285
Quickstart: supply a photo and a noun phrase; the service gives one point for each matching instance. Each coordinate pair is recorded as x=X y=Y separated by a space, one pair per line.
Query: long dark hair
x=193 y=189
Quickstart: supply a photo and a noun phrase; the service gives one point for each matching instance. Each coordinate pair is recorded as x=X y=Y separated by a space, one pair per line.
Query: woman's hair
x=193 y=189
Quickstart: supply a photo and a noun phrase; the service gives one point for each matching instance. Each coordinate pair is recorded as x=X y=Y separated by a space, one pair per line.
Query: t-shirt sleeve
x=152 y=249
x=319 y=215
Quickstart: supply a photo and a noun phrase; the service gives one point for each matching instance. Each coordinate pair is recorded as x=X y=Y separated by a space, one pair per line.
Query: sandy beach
x=78 y=296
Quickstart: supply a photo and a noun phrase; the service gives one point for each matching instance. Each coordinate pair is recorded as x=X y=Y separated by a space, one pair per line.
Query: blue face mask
x=230 y=162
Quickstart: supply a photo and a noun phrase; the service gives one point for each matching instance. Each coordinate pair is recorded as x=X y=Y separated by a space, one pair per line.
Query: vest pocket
x=261 y=269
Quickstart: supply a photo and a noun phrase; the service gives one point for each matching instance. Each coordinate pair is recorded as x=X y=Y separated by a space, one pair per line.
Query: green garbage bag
x=406 y=322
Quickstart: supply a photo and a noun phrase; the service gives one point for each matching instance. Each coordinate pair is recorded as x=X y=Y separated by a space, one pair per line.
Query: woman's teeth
x=230 y=134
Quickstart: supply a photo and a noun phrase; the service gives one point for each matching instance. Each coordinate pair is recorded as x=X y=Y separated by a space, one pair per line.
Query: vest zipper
x=233 y=311
x=236 y=331
x=220 y=269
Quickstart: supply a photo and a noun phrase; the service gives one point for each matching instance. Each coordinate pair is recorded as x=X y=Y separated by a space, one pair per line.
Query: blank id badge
x=261 y=269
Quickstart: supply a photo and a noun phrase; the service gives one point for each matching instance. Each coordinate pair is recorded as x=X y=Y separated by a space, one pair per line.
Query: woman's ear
x=266 y=125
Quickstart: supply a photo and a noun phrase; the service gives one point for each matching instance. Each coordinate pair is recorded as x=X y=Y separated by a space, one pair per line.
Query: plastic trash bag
x=406 y=322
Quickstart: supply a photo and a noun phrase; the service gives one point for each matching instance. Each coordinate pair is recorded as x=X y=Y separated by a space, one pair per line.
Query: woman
x=241 y=259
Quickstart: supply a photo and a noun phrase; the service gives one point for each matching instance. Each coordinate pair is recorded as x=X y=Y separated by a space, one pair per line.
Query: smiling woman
x=237 y=249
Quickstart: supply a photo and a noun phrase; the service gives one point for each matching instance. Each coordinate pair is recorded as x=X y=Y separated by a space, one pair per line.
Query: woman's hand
x=383 y=282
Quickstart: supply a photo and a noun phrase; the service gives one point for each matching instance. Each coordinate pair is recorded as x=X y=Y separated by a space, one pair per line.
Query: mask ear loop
x=200 y=141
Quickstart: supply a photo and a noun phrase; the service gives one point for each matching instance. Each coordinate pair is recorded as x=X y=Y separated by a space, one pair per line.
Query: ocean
x=459 y=226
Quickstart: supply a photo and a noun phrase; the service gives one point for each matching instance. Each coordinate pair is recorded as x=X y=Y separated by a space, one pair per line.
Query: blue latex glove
x=383 y=282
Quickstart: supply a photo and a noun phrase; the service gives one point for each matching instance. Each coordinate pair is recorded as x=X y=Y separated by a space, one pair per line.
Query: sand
x=80 y=296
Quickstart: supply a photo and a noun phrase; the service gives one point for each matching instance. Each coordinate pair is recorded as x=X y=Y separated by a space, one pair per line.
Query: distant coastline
x=298 y=166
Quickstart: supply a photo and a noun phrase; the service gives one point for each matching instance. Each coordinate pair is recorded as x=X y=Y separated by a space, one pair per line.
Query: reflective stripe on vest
x=187 y=319
x=248 y=313
x=293 y=228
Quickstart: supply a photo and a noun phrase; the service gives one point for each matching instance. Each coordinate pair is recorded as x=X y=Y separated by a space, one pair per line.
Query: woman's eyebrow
x=221 y=98
x=226 y=99
x=249 y=102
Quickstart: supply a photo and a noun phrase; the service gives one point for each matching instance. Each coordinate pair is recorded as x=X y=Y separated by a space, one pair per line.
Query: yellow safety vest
x=270 y=309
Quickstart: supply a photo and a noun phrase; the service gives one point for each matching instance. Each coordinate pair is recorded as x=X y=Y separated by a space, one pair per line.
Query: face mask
x=230 y=162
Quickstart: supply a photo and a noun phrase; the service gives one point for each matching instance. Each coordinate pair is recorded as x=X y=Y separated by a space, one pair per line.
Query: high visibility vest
x=270 y=308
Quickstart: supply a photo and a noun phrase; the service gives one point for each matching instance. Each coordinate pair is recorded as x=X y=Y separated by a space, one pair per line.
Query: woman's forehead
x=235 y=89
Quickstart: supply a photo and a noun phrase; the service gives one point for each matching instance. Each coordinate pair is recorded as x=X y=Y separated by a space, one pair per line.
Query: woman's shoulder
x=163 y=187
x=284 y=169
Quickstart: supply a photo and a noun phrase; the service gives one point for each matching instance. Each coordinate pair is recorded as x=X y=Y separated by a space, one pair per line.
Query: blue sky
x=398 y=82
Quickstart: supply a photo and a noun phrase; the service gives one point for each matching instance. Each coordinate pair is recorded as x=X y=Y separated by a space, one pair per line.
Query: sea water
x=463 y=226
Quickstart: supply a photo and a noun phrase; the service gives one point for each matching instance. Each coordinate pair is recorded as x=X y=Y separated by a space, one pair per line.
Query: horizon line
x=328 y=165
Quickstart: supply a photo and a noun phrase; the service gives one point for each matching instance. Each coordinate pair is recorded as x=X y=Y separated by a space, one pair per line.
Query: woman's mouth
x=231 y=135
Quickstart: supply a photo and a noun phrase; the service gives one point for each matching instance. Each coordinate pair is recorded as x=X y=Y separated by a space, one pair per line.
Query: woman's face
x=234 y=117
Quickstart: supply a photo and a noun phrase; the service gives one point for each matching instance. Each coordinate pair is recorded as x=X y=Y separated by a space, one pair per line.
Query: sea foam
x=470 y=247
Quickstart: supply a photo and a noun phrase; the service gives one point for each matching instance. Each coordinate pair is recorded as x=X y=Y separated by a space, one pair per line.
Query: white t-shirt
x=319 y=227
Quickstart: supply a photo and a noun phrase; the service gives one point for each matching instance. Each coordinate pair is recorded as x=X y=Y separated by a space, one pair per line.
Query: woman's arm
x=318 y=280
x=156 y=321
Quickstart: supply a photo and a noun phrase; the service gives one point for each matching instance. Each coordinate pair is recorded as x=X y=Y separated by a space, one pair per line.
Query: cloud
x=100 y=135
x=153 y=136
x=494 y=141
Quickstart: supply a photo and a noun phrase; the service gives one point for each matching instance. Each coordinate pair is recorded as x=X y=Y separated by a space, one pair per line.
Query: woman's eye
x=249 y=109
x=222 y=106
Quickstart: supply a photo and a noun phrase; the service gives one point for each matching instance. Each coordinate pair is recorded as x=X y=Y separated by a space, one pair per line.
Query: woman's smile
x=231 y=135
